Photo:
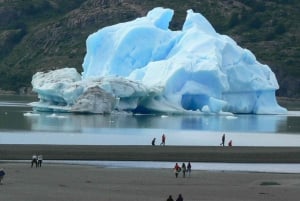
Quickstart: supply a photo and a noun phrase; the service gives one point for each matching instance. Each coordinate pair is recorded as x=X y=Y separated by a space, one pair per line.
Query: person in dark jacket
x=223 y=140
x=153 y=142
x=2 y=173
x=180 y=198
x=189 y=168
x=183 y=168
x=170 y=198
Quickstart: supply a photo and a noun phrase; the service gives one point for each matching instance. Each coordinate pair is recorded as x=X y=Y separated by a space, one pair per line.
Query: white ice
x=142 y=66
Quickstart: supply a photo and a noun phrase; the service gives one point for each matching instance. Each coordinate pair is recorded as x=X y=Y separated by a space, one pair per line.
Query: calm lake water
x=20 y=125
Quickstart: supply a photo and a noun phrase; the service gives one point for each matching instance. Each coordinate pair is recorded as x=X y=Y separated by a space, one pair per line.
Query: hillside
x=38 y=35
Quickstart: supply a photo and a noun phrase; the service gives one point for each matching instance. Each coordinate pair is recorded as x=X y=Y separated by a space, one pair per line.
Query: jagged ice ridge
x=142 y=66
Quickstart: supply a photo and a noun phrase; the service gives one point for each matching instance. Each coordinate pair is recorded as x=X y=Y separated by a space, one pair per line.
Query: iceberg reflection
x=79 y=123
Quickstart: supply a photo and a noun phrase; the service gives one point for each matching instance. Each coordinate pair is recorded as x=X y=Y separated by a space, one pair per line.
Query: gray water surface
x=20 y=125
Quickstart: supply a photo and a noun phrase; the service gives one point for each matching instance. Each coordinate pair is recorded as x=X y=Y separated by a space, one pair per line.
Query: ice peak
x=147 y=67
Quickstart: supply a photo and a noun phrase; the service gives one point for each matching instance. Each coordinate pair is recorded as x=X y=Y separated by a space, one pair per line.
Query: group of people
x=185 y=169
x=179 y=198
x=163 y=140
x=37 y=160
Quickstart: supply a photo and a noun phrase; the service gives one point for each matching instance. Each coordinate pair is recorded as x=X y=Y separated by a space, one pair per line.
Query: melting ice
x=142 y=66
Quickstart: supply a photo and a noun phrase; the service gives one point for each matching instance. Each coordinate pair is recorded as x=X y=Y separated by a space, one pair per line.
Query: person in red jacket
x=163 y=140
x=177 y=169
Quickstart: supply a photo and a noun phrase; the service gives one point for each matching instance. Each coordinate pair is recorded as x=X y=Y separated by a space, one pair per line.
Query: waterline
x=233 y=167
x=145 y=136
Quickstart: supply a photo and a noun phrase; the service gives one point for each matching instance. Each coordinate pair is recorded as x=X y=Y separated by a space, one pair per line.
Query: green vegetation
x=39 y=35
x=269 y=183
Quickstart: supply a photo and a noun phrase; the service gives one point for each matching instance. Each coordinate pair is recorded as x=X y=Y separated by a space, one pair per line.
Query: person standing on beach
x=2 y=173
x=34 y=160
x=177 y=169
x=170 y=198
x=183 y=168
x=180 y=198
x=39 y=160
x=163 y=140
x=189 y=168
x=223 y=140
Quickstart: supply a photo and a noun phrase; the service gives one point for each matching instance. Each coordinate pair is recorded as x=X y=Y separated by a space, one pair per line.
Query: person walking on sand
x=180 y=198
x=223 y=140
x=177 y=169
x=183 y=168
x=189 y=168
x=170 y=198
x=163 y=140
x=153 y=142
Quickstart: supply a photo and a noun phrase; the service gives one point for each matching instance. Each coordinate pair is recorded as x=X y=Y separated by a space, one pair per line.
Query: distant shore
x=153 y=153
x=289 y=103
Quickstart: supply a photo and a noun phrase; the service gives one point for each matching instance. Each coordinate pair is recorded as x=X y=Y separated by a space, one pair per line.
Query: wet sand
x=150 y=153
x=91 y=183
x=61 y=182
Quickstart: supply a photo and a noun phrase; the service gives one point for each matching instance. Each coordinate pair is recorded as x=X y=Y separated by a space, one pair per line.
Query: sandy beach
x=96 y=183
x=90 y=183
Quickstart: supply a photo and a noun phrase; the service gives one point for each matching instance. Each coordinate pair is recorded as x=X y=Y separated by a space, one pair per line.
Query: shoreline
x=152 y=153
x=271 y=168
x=66 y=181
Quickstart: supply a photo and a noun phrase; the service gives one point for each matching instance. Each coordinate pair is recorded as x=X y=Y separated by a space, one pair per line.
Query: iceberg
x=142 y=66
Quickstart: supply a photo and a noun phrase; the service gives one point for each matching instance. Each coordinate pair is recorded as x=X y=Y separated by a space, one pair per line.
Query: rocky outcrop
x=94 y=100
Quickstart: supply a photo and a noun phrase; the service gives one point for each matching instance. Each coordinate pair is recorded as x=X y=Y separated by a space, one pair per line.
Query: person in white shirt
x=34 y=160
